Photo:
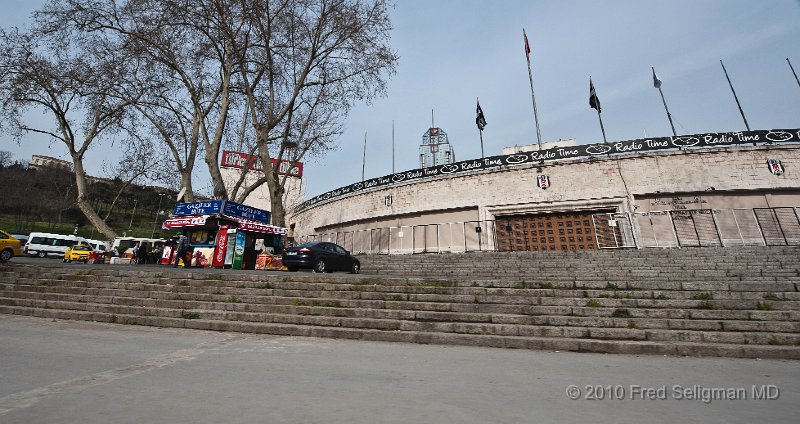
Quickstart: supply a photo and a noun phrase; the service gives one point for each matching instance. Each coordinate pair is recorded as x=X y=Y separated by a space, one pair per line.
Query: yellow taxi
x=9 y=246
x=79 y=252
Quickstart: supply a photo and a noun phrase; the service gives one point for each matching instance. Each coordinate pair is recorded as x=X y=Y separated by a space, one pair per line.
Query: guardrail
x=700 y=227
x=456 y=237
x=664 y=229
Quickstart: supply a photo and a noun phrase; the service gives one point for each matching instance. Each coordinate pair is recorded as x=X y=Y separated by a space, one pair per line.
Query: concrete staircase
x=734 y=302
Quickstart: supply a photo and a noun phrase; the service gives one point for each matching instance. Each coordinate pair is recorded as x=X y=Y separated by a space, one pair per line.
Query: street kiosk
x=225 y=234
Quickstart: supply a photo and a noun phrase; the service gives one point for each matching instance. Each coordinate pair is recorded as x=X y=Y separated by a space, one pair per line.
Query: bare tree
x=77 y=79
x=140 y=164
x=302 y=65
x=187 y=56
x=6 y=158
x=293 y=67
x=177 y=128
x=59 y=190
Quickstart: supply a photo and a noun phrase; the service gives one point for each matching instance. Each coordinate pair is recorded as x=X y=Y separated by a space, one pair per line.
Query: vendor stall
x=225 y=234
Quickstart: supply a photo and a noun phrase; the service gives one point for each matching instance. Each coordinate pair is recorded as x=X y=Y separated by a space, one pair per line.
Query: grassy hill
x=44 y=200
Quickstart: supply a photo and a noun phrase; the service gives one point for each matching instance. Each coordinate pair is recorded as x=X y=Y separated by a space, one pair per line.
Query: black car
x=320 y=256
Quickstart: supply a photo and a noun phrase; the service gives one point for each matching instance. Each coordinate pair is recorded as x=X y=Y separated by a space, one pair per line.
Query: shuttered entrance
x=567 y=231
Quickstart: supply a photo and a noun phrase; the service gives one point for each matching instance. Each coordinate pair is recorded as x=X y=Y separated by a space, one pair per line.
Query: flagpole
x=364 y=161
x=533 y=96
x=669 y=116
x=482 y=155
x=594 y=103
x=601 y=127
x=392 y=146
x=734 y=96
x=793 y=72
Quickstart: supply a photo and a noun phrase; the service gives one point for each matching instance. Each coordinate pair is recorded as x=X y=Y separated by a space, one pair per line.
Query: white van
x=124 y=243
x=98 y=246
x=46 y=244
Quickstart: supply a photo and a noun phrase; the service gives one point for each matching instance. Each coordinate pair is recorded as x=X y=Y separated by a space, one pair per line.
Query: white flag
x=656 y=81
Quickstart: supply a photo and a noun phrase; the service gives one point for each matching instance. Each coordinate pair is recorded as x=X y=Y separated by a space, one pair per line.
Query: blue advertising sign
x=246 y=212
x=208 y=207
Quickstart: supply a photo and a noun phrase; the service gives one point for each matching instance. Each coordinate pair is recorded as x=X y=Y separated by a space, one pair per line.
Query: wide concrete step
x=238 y=313
x=421 y=337
x=423 y=311
x=55 y=290
x=365 y=288
x=333 y=308
x=727 y=302
x=413 y=310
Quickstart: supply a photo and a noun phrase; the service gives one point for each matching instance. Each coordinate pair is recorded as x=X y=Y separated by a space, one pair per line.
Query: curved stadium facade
x=714 y=189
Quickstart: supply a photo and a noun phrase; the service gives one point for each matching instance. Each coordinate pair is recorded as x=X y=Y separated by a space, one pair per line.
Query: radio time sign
x=239 y=160
x=693 y=141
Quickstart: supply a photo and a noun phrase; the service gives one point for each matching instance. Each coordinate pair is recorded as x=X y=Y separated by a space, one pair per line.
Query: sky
x=453 y=52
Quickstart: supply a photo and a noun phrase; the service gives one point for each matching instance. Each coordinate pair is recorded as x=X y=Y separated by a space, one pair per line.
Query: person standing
x=180 y=249
x=141 y=254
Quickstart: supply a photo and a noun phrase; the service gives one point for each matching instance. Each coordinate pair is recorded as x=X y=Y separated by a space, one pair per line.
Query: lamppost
x=130 y=225
x=158 y=211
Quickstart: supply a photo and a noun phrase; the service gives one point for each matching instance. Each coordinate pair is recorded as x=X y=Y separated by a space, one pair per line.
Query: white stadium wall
x=711 y=177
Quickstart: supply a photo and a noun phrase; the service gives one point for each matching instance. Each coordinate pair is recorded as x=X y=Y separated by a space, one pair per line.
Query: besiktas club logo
x=775 y=166
x=543 y=181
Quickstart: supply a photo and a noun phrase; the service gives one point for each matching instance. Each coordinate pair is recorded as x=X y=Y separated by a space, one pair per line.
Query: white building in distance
x=234 y=165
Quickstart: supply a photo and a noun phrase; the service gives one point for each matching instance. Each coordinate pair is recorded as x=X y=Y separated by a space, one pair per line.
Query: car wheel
x=292 y=268
x=356 y=268
x=320 y=266
x=41 y=254
x=6 y=255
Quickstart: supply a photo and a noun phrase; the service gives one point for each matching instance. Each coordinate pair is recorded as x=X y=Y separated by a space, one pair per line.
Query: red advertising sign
x=219 y=250
x=184 y=221
x=239 y=160
x=262 y=228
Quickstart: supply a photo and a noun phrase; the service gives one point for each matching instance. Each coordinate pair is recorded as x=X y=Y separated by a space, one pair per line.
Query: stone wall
x=732 y=177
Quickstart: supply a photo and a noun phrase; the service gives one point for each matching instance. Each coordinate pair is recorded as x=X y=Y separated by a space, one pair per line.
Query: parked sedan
x=79 y=252
x=320 y=256
x=9 y=246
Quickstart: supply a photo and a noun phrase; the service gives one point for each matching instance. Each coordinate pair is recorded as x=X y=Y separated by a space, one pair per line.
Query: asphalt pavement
x=85 y=372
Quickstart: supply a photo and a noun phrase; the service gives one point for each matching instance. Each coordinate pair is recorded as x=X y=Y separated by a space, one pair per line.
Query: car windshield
x=81 y=248
x=309 y=244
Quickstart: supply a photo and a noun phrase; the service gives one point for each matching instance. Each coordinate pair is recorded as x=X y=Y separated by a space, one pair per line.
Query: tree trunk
x=216 y=176
x=276 y=192
x=186 y=182
x=86 y=206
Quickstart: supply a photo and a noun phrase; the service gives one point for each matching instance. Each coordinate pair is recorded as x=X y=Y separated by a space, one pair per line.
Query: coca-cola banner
x=693 y=141
x=221 y=246
x=239 y=160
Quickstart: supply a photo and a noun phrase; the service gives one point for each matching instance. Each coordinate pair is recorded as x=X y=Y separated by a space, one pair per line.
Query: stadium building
x=713 y=189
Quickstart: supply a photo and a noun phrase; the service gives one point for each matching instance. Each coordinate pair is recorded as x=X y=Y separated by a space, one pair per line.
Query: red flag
x=527 y=47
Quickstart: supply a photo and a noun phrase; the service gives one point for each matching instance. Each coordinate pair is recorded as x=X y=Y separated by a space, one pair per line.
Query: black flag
x=594 y=102
x=480 y=120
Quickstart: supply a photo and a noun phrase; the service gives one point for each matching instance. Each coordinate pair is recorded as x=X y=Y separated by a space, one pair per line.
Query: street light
x=155 y=218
